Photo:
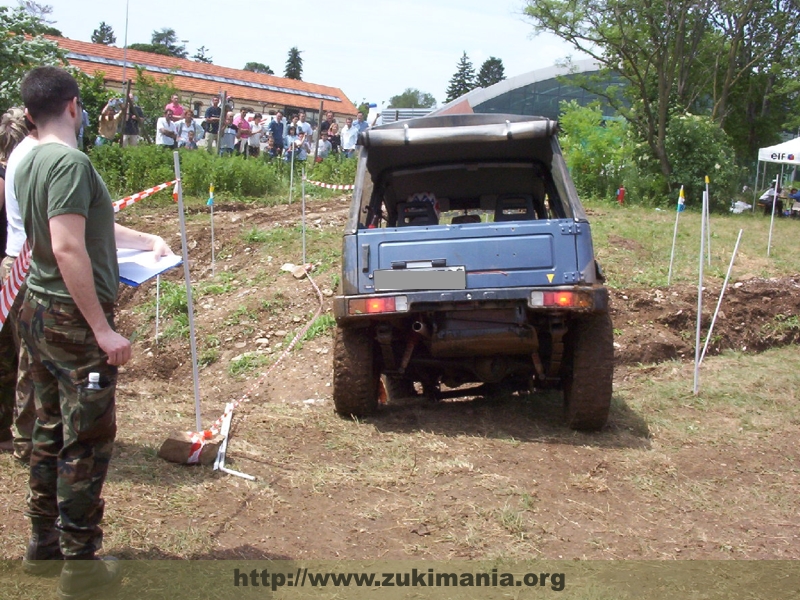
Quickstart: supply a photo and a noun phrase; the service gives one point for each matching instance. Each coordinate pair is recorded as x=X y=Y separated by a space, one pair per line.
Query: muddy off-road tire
x=355 y=372
x=588 y=382
x=397 y=388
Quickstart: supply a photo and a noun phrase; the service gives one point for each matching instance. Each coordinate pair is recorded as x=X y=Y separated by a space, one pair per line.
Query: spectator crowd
x=247 y=133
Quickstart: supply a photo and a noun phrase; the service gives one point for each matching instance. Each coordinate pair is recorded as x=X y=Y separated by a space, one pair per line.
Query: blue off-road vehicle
x=468 y=258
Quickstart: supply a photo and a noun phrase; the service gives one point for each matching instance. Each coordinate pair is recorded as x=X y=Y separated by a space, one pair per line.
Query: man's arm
x=138 y=240
x=69 y=247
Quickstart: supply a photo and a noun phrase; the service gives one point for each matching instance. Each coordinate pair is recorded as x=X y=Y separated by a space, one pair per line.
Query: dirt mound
x=654 y=325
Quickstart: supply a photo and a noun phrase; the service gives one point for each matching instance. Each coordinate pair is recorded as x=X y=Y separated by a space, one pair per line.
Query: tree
x=714 y=57
x=23 y=48
x=412 y=98
x=104 y=35
x=169 y=39
x=294 y=65
x=257 y=67
x=40 y=12
x=202 y=56
x=463 y=80
x=492 y=71
x=152 y=48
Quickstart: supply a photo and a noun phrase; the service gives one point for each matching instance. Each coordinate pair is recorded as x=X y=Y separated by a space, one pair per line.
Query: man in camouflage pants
x=66 y=321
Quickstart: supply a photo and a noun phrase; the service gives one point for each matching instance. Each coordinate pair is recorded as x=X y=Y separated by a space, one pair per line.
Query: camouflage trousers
x=15 y=382
x=73 y=435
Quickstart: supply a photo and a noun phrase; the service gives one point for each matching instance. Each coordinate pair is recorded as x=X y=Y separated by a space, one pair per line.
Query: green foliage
x=167 y=38
x=335 y=170
x=321 y=325
x=246 y=363
x=492 y=71
x=94 y=97
x=412 y=98
x=294 y=64
x=127 y=170
x=697 y=147
x=257 y=67
x=22 y=48
x=104 y=34
x=202 y=56
x=151 y=48
x=463 y=80
x=595 y=151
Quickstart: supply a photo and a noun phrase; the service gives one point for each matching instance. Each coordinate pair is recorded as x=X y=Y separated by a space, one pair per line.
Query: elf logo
x=781 y=156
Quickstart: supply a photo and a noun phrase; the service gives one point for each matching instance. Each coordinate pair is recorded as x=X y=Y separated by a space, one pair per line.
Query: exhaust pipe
x=421 y=329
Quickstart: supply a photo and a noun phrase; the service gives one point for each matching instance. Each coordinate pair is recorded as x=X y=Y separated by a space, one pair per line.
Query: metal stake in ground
x=708 y=221
x=681 y=206
x=700 y=298
x=291 y=174
x=189 y=303
x=721 y=295
x=303 y=212
x=772 y=218
x=211 y=204
x=158 y=303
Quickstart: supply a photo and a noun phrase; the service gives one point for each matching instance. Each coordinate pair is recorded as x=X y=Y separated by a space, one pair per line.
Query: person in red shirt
x=175 y=107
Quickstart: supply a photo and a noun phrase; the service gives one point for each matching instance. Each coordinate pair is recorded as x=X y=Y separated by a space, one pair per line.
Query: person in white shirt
x=302 y=125
x=182 y=129
x=349 y=137
x=166 y=130
x=323 y=146
x=257 y=128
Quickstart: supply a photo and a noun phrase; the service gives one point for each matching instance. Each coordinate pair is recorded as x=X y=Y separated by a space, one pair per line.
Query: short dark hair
x=46 y=90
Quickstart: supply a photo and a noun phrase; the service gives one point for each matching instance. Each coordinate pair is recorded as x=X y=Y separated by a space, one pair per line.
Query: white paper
x=137 y=266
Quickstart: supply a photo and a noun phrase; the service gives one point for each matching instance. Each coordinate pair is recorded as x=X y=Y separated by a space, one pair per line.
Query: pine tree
x=294 y=65
x=104 y=34
x=169 y=40
x=463 y=81
x=202 y=56
x=492 y=71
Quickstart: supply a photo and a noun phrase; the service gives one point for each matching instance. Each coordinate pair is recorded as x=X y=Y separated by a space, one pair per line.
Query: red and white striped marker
x=126 y=202
x=330 y=186
x=11 y=287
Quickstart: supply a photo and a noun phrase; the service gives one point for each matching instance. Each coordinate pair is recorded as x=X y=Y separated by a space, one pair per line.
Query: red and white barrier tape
x=11 y=287
x=199 y=438
x=20 y=267
x=126 y=202
x=330 y=186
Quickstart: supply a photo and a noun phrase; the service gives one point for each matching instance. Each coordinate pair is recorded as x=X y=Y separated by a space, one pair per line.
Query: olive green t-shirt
x=53 y=180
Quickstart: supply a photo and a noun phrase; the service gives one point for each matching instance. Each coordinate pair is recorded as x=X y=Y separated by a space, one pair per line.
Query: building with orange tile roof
x=199 y=82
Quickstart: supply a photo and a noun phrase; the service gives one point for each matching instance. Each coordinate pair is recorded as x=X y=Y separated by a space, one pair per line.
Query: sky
x=370 y=50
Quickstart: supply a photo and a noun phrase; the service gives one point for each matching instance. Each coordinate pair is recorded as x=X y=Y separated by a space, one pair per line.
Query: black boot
x=93 y=578
x=43 y=556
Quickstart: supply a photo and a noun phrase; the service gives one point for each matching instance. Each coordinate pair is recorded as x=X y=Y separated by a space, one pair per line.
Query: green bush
x=697 y=147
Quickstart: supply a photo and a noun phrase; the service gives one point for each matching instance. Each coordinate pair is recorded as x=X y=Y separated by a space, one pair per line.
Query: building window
x=198 y=106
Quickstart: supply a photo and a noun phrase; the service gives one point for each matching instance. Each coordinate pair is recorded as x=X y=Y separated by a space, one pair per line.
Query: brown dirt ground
x=463 y=479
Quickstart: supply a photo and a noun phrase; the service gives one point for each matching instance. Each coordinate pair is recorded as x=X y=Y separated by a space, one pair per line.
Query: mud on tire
x=590 y=372
x=355 y=372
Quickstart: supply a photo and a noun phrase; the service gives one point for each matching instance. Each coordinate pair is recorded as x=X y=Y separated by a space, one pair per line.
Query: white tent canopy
x=786 y=153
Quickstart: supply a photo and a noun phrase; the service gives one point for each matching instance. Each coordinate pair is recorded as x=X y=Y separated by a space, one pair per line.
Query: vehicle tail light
x=377 y=305
x=561 y=299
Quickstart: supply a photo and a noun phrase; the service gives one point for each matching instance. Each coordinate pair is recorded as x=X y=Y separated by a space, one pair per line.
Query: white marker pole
x=721 y=294
x=291 y=174
x=708 y=221
x=681 y=204
x=772 y=218
x=158 y=303
x=211 y=204
x=189 y=303
x=696 y=388
x=303 y=213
